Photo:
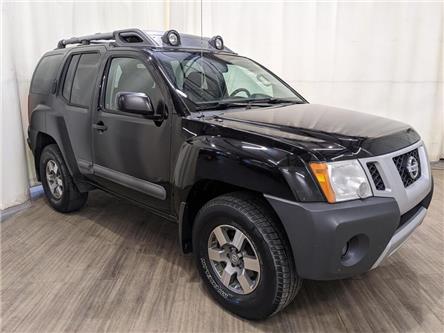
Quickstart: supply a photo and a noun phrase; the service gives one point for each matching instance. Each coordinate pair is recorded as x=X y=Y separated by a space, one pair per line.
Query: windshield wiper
x=221 y=105
x=276 y=100
x=218 y=105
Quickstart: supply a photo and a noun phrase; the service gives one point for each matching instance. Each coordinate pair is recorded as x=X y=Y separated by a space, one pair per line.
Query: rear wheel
x=58 y=184
x=243 y=256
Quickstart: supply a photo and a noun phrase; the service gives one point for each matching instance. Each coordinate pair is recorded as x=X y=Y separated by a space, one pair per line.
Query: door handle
x=100 y=126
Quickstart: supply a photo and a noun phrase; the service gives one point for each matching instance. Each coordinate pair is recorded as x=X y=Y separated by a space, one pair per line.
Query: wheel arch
x=42 y=140
x=209 y=166
x=202 y=192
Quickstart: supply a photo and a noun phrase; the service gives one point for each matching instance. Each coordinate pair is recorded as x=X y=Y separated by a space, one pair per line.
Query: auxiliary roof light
x=171 y=37
x=217 y=42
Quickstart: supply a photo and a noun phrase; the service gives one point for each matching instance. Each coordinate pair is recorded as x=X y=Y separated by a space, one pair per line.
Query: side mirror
x=136 y=103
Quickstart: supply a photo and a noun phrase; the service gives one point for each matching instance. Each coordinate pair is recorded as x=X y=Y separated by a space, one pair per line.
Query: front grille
x=401 y=162
x=376 y=176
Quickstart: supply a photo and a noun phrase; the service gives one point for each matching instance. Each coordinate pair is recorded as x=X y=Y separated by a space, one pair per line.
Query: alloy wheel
x=54 y=179
x=234 y=259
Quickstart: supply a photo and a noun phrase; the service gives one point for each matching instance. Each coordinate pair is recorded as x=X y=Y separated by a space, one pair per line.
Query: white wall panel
x=384 y=58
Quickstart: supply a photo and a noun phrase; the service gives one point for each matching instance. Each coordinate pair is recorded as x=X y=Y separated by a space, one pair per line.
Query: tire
x=65 y=197
x=267 y=291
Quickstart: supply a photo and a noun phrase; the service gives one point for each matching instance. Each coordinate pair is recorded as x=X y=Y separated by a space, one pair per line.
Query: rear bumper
x=319 y=233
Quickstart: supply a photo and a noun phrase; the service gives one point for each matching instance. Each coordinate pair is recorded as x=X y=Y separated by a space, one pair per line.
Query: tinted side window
x=45 y=74
x=129 y=75
x=85 y=79
x=69 y=77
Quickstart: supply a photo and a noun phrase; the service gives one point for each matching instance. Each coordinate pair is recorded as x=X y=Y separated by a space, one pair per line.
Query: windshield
x=210 y=78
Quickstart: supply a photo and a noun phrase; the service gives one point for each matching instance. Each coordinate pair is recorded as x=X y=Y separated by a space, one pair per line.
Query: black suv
x=266 y=189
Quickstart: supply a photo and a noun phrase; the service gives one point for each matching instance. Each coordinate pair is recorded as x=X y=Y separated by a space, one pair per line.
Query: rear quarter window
x=45 y=74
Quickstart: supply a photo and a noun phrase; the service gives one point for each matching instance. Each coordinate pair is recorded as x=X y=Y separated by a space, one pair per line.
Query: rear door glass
x=84 y=79
x=69 y=77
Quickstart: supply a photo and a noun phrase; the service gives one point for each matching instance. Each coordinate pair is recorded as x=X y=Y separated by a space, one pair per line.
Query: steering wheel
x=239 y=90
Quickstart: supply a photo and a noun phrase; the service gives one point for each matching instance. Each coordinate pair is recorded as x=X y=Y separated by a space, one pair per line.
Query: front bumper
x=319 y=233
x=402 y=234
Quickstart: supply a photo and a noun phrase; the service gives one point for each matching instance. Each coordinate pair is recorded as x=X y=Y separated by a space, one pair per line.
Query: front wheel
x=243 y=256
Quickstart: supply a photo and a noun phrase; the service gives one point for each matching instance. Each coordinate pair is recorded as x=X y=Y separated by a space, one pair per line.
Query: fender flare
x=223 y=159
x=217 y=159
x=57 y=130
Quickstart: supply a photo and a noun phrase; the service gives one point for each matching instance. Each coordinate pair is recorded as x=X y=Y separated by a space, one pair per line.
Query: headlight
x=341 y=181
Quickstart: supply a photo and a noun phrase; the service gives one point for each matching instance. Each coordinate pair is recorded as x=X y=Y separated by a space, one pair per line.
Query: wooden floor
x=117 y=268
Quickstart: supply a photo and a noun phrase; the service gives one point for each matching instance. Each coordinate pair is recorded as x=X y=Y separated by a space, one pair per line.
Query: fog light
x=171 y=37
x=354 y=250
x=217 y=42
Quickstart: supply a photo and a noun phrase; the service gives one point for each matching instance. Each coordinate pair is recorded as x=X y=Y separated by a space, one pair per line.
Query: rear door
x=77 y=94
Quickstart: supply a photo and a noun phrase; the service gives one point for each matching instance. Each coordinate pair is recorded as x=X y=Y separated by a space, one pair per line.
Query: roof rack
x=120 y=37
x=152 y=39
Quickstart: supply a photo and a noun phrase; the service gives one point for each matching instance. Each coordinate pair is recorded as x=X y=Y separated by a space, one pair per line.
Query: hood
x=327 y=132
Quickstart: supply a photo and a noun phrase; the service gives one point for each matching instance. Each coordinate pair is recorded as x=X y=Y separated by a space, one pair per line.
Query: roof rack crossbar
x=81 y=40
x=119 y=36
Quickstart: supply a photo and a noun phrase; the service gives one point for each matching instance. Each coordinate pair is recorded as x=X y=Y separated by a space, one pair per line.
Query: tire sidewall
x=259 y=303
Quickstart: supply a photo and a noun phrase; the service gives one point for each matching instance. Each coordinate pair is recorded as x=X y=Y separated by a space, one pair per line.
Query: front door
x=132 y=153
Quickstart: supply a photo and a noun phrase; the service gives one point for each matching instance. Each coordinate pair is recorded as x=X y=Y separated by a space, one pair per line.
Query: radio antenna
x=201 y=46
x=201 y=24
